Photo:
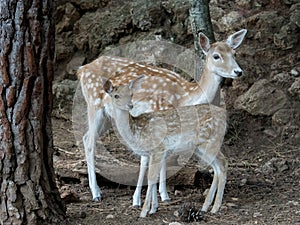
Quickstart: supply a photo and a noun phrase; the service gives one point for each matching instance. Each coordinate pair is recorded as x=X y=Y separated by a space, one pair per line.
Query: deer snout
x=130 y=106
x=238 y=72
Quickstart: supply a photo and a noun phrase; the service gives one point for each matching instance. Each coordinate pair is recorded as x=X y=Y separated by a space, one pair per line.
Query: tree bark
x=201 y=22
x=28 y=190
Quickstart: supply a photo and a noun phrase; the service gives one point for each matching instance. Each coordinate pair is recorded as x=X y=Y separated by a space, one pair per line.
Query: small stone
x=231 y=205
x=294 y=203
x=257 y=214
x=175 y=223
x=243 y=182
x=295 y=88
x=270 y=132
x=295 y=72
x=110 y=216
x=176 y=213
x=176 y=193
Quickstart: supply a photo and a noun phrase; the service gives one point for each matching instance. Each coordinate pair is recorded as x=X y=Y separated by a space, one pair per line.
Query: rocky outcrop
x=262 y=99
x=269 y=54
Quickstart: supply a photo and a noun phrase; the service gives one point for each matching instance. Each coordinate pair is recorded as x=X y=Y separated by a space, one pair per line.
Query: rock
x=289 y=2
x=295 y=14
x=64 y=46
x=295 y=72
x=291 y=133
x=246 y=4
x=231 y=205
x=283 y=79
x=145 y=16
x=226 y=22
x=262 y=99
x=175 y=223
x=69 y=17
x=269 y=22
x=63 y=94
x=295 y=88
x=94 y=36
x=178 y=193
x=281 y=117
x=274 y=165
x=68 y=195
x=216 y=13
x=65 y=89
x=243 y=182
x=270 y=132
x=90 y=5
x=110 y=216
x=288 y=36
x=72 y=67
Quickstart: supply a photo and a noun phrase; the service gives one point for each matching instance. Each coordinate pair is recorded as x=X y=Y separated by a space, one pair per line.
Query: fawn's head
x=220 y=56
x=121 y=95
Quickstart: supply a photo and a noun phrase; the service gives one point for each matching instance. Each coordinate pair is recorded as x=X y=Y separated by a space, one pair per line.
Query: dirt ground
x=262 y=187
x=263 y=180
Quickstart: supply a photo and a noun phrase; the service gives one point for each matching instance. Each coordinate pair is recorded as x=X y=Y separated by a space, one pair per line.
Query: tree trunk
x=201 y=22
x=28 y=190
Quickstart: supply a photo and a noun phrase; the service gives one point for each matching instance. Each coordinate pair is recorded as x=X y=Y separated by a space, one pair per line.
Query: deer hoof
x=97 y=199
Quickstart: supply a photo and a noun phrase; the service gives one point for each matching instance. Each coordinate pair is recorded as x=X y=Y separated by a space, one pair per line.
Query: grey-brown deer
x=161 y=90
x=183 y=132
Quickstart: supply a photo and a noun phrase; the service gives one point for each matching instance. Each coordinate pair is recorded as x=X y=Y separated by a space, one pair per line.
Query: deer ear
x=107 y=85
x=204 y=43
x=134 y=81
x=236 y=39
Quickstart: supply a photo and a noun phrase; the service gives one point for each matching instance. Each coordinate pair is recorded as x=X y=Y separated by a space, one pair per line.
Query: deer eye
x=216 y=56
x=116 y=96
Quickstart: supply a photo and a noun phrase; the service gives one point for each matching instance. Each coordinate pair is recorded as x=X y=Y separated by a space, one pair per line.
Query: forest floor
x=262 y=185
x=263 y=179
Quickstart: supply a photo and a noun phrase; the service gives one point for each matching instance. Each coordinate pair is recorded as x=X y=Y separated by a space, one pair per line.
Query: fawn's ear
x=235 y=40
x=107 y=85
x=135 y=81
x=204 y=43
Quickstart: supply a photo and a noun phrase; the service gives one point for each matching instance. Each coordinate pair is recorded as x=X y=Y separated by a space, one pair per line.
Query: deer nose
x=238 y=72
x=130 y=105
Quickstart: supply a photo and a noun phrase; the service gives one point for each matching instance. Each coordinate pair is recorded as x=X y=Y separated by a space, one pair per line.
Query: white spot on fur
x=97 y=101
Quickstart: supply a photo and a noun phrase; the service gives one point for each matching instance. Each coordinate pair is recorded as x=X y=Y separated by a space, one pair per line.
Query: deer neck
x=205 y=89
x=122 y=121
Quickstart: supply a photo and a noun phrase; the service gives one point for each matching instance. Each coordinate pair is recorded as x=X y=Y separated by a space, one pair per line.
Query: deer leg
x=151 y=199
x=147 y=203
x=89 y=148
x=138 y=189
x=163 y=183
x=154 y=204
x=211 y=193
x=222 y=167
x=206 y=153
x=219 y=165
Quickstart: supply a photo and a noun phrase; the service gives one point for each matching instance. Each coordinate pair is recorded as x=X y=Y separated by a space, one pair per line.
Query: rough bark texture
x=200 y=22
x=28 y=190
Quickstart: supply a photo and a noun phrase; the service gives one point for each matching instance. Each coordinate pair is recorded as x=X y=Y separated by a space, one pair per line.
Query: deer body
x=161 y=89
x=204 y=135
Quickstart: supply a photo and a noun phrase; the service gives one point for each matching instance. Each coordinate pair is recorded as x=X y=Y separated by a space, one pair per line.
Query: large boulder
x=262 y=99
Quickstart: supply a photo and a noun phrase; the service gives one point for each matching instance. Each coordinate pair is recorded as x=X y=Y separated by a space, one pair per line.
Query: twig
x=243 y=165
x=65 y=151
